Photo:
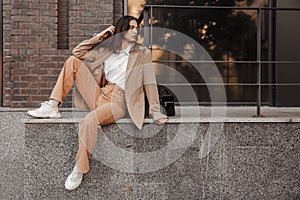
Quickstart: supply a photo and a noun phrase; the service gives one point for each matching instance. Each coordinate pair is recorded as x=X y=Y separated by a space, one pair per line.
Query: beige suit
x=140 y=78
x=107 y=101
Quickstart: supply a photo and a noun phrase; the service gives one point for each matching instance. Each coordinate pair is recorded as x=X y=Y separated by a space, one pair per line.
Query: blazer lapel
x=131 y=61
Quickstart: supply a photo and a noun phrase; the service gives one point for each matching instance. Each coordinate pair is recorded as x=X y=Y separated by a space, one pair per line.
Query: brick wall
x=37 y=40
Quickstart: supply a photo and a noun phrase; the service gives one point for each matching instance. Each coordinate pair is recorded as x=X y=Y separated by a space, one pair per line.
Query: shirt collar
x=126 y=51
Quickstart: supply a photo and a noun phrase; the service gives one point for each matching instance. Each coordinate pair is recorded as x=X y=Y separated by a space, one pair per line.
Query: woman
x=102 y=68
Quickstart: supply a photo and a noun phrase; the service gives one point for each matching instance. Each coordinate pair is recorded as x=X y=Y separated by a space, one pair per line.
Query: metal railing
x=147 y=14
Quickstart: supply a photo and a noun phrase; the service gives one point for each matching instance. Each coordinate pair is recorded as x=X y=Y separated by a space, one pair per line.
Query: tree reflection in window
x=226 y=34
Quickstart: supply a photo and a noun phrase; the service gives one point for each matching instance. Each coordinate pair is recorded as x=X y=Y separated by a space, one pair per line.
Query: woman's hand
x=107 y=32
x=162 y=120
x=159 y=118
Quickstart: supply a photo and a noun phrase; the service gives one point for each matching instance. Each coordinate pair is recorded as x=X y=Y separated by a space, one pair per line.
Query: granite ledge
x=197 y=114
x=68 y=120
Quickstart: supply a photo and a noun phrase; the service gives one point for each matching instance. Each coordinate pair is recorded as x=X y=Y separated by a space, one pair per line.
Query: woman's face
x=132 y=34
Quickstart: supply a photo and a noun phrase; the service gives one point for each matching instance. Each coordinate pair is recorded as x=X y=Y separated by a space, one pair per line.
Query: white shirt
x=115 y=67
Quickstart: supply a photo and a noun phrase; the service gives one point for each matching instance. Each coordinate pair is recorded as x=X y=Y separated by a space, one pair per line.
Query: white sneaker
x=74 y=179
x=45 y=111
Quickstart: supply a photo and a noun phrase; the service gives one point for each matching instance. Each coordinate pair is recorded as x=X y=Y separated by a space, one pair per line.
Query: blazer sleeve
x=85 y=51
x=150 y=87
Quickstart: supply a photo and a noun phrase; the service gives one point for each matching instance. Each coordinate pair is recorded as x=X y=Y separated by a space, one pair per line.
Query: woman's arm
x=84 y=49
x=151 y=90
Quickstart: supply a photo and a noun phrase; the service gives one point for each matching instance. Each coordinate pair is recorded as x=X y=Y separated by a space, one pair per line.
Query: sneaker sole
x=58 y=115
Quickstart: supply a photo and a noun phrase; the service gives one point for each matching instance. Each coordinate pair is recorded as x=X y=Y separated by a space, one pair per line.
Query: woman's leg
x=111 y=107
x=75 y=71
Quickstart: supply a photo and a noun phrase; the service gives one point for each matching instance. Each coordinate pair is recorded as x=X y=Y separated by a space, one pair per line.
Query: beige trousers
x=107 y=105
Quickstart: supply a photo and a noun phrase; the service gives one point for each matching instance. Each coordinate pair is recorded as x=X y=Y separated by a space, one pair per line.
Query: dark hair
x=121 y=27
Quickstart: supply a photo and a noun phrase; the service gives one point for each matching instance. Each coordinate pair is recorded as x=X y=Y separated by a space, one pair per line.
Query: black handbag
x=166 y=103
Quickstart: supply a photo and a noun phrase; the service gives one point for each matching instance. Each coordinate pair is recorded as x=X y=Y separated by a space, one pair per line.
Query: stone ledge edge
x=67 y=120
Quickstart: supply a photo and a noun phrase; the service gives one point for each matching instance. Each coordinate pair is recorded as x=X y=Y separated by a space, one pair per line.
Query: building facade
x=254 y=43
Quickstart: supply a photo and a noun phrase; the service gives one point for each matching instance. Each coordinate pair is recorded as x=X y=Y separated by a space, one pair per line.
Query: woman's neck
x=125 y=44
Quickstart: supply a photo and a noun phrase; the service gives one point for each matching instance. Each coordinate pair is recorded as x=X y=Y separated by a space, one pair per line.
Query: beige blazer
x=140 y=78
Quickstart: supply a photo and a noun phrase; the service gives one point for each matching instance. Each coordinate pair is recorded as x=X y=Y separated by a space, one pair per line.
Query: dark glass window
x=229 y=34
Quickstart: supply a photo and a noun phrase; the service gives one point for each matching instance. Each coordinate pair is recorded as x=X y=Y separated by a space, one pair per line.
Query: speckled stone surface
x=249 y=160
x=12 y=145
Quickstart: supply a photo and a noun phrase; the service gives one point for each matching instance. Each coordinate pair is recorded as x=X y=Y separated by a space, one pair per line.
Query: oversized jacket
x=140 y=78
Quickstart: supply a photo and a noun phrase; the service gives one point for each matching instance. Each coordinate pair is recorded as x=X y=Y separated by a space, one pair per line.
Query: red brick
x=29 y=78
x=14 y=12
x=7 y=90
x=39 y=71
x=44 y=45
x=29 y=12
x=19 y=18
x=7 y=59
x=39 y=19
x=19 y=71
x=14 y=78
x=33 y=45
x=19 y=32
x=29 y=64
x=45 y=85
x=20 y=5
x=20 y=58
x=7 y=26
x=13 y=38
x=20 y=98
x=48 y=51
x=6 y=1
x=7 y=45
x=36 y=5
x=20 y=84
x=19 y=45
x=45 y=91
x=6 y=79
x=39 y=31
x=39 y=98
x=25 y=25
x=29 y=91
x=48 y=78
